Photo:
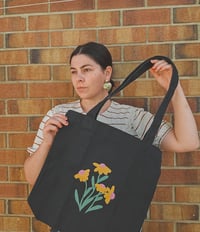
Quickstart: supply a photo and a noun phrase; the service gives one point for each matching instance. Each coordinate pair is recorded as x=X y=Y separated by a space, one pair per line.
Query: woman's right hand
x=34 y=162
x=56 y=122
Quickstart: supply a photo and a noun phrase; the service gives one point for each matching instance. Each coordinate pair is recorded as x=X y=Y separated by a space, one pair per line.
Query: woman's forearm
x=34 y=163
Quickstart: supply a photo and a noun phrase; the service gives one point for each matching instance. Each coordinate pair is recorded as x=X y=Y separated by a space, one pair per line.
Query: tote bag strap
x=138 y=71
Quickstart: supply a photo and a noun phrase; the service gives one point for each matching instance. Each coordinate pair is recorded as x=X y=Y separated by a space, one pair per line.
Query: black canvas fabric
x=119 y=173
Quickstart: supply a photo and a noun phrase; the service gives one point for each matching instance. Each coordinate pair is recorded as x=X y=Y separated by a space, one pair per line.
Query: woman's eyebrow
x=83 y=66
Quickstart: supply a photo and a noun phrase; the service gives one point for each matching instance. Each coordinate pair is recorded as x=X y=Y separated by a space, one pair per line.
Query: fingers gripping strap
x=138 y=71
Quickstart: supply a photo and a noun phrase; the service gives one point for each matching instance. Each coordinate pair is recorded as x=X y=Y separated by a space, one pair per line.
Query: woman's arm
x=33 y=164
x=184 y=136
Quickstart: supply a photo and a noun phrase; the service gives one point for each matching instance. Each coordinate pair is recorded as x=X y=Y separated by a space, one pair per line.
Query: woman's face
x=88 y=77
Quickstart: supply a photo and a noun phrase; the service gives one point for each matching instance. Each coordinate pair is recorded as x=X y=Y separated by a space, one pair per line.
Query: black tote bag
x=96 y=177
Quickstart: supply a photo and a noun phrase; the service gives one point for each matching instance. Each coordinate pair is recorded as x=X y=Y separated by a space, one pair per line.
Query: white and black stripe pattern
x=132 y=120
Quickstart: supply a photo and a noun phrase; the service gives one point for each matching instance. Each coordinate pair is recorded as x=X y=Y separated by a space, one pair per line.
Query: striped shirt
x=132 y=120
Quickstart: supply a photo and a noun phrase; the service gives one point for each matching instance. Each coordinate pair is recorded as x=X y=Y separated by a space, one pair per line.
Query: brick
x=29 y=106
x=122 y=35
x=187 y=68
x=2 y=73
x=143 y=88
x=9 y=57
x=2 y=140
x=14 y=224
x=20 y=140
x=13 y=123
x=116 y=53
x=49 y=56
x=26 y=6
x=121 y=70
x=51 y=90
x=1 y=41
x=187 y=14
x=187 y=194
x=72 y=5
x=168 y=159
x=179 y=176
x=62 y=72
x=12 y=157
x=3 y=174
x=155 y=103
x=12 y=90
x=193 y=103
x=142 y=52
x=19 y=207
x=34 y=123
x=50 y=22
x=191 y=86
x=2 y=203
x=39 y=226
x=21 y=40
x=2 y=107
x=187 y=50
x=97 y=19
x=189 y=159
x=10 y=190
x=173 y=33
x=197 y=119
x=1 y=8
x=29 y=72
x=169 y=2
x=157 y=226
x=163 y=194
x=174 y=212
x=12 y=24
x=16 y=174
x=112 y=4
x=72 y=38
x=186 y=227
x=146 y=17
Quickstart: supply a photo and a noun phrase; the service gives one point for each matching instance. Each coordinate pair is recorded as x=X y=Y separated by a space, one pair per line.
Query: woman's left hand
x=162 y=71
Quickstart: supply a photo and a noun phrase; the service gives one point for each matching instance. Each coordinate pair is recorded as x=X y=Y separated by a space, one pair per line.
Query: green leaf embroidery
x=97 y=192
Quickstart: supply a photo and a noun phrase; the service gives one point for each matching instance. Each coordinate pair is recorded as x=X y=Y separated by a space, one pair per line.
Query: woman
x=91 y=70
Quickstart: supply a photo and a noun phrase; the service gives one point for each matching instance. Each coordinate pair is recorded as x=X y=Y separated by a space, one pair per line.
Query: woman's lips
x=81 y=88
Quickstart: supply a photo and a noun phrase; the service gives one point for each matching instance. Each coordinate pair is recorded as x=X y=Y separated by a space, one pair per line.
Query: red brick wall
x=35 y=43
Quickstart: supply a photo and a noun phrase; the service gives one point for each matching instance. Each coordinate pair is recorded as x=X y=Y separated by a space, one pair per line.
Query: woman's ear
x=108 y=72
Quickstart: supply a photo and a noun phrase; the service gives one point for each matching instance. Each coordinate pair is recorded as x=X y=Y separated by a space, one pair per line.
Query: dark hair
x=96 y=51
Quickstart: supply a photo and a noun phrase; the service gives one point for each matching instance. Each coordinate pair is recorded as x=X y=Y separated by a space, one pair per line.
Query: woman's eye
x=86 y=70
x=73 y=72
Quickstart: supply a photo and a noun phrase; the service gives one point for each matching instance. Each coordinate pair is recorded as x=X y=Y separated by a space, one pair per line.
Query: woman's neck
x=87 y=105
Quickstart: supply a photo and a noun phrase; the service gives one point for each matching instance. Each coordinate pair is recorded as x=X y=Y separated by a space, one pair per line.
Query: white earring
x=107 y=85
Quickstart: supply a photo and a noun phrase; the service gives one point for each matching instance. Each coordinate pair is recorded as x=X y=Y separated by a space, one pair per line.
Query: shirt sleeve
x=39 y=136
x=142 y=121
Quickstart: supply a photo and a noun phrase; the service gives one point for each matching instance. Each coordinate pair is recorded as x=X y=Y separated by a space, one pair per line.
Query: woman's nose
x=80 y=76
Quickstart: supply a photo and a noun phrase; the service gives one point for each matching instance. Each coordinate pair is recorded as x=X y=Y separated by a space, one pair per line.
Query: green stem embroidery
x=95 y=192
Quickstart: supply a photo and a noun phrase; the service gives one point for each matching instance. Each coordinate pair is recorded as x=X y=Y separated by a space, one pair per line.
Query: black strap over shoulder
x=138 y=71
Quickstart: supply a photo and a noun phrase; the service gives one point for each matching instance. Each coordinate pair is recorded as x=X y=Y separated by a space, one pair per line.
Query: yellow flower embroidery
x=101 y=169
x=109 y=194
x=82 y=175
x=95 y=192
x=100 y=188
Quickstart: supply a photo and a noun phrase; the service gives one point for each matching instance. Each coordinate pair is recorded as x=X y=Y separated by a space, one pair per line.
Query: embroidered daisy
x=82 y=175
x=102 y=169
x=100 y=188
x=109 y=194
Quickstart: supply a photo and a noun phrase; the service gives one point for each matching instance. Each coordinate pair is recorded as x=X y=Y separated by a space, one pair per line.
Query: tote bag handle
x=138 y=71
